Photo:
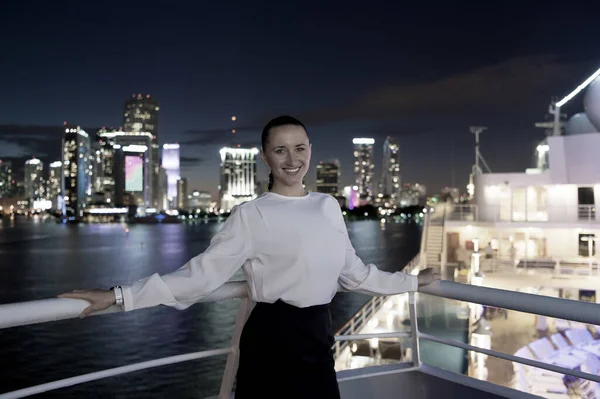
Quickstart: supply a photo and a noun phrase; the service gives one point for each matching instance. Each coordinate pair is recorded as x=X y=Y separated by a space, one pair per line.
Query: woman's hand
x=427 y=276
x=98 y=299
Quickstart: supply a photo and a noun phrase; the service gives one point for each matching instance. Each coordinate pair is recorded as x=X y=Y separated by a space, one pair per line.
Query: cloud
x=187 y=162
x=224 y=136
x=507 y=87
x=31 y=140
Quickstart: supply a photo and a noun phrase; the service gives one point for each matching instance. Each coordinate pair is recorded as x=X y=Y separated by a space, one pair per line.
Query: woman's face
x=287 y=154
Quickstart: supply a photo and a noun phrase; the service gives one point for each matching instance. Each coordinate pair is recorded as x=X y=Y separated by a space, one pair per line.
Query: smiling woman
x=286 y=151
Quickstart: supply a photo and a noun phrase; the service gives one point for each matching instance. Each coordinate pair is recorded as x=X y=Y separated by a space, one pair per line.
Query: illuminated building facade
x=34 y=180
x=141 y=115
x=363 y=168
x=389 y=185
x=6 y=179
x=238 y=176
x=76 y=171
x=199 y=201
x=171 y=162
x=53 y=188
x=328 y=177
x=182 y=198
x=122 y=153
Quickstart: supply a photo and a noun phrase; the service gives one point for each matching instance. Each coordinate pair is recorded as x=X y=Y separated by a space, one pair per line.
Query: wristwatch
x=118 y=295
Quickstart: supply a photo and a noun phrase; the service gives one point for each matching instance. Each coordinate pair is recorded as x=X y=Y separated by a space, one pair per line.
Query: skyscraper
x=76 y=182
x=141 y=115
x=6 y=179
x=389 y=185
x=170 y=162
x=117 y=145
x=34 y=180
x=53 y=190
x=328 y=177
x=363 y=168
x=238 y=176
x=182 y=197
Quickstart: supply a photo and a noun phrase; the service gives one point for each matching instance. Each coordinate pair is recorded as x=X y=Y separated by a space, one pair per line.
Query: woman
x=295 y=251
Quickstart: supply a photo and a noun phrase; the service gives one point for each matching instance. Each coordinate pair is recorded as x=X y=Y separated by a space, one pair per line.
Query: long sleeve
x=368 y=279
x=203 y=274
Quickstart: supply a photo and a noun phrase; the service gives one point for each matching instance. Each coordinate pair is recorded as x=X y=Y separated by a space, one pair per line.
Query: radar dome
x=579 y=124
x=591 y=103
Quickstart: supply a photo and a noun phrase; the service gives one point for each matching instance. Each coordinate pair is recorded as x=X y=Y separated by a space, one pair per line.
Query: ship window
x=587 y=242
x=519 y=201
x=537 y=204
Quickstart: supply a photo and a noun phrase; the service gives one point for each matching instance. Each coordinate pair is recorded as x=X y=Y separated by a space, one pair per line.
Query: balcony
x=414 y=378
x=579 y=214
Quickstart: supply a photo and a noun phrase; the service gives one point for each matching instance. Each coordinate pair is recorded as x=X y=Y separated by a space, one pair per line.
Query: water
x=41 y=260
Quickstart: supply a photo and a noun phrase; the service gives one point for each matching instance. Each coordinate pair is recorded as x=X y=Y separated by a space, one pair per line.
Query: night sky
x=422 y=74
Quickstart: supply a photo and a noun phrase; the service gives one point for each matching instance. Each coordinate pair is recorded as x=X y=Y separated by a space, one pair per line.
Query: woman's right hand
x=98 y=299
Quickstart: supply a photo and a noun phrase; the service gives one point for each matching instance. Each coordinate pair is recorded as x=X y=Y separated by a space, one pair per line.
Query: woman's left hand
x=427 y=276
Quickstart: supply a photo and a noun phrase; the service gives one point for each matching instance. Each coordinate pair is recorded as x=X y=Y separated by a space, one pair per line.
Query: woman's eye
x=279 y=151
x=300 y=149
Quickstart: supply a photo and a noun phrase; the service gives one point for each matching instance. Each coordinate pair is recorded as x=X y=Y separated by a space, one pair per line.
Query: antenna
x=477 y=130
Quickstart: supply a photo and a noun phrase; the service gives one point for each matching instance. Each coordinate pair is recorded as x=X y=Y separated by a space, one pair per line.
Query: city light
x=107 y=210
x=170 y=146
x=363 y=141
x=135 y=148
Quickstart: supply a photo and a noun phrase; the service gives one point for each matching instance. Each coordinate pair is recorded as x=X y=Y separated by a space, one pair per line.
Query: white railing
x=360 y=319
x=496 y=213
x=53 y=309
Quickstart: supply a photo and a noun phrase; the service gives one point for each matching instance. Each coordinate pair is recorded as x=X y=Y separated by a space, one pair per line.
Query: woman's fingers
x=74 y=295
x=86 y=311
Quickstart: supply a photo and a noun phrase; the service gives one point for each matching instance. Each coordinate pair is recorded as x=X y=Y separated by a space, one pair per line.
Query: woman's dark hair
x=284 y=120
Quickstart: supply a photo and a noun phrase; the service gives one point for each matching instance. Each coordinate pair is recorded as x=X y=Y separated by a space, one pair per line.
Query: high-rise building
x=199 y=201
x=34 y=180
x=328 y=177
x=76 y=182
x=363 y=168
x=116 y=146
x=182 y=198
x=170 y=161
x=389 y=184
x=141 y=115
x=238 y=176
x=6 y=179
x=53 y=188
x=163 y=199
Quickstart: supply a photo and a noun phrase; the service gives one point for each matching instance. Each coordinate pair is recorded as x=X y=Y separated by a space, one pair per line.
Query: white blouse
x=295 y=249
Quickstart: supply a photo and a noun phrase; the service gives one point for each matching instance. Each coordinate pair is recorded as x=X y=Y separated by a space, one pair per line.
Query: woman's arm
x=203 y=274
x=368 y=279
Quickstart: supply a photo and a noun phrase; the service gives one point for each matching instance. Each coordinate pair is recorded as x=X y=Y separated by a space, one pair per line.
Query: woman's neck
x=289 y=191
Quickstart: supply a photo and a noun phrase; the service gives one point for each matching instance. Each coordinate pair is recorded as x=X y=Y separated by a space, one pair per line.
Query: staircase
x=433 y=244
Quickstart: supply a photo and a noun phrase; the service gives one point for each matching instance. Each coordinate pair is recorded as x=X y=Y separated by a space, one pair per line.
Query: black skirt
x=286 y=352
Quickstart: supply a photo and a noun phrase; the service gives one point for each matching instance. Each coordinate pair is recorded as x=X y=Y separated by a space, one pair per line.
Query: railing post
x=233 y=357
x=414 y=328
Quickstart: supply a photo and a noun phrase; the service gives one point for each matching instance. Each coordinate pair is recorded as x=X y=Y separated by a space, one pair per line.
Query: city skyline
x=428 y=84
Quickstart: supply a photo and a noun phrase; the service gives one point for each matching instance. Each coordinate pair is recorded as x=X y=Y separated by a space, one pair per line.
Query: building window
x=587 y=244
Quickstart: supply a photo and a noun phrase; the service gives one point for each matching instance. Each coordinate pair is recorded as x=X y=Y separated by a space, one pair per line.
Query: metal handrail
x=358 y=320
x=491 y=213
x=548 y=306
